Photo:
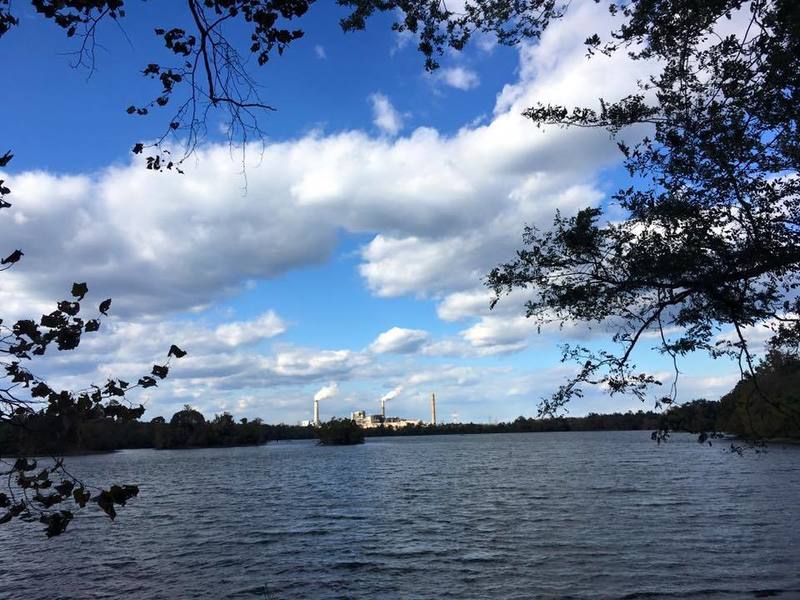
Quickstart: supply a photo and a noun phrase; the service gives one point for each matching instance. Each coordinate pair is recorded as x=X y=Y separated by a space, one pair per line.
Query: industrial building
x=371 y=421
x=380 y=420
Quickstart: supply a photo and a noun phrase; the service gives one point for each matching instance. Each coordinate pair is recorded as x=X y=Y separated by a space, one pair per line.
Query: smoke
x=392 y=394
x=327 y=391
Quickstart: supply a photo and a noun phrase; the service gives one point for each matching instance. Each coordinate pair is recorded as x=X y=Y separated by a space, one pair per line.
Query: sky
x=351 y=253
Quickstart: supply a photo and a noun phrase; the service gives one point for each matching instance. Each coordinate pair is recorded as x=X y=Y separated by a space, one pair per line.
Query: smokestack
x=325 y=392
x=389 y=396
x=433 y=409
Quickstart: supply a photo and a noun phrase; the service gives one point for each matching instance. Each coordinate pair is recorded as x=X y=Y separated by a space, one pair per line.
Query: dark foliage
x=30 y=407
x=629 y=421
x=438 y=27
x=340 y=432
x=203 y=68
x=766 y=405
x=42 y=435
x=710 y=239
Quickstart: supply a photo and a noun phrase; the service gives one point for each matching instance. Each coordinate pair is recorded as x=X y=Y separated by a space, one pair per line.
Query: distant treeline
x=766 y=407
x=187 y=428
x=592 y=422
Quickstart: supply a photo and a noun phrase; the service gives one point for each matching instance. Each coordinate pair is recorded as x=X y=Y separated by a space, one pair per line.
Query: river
x=540 y=515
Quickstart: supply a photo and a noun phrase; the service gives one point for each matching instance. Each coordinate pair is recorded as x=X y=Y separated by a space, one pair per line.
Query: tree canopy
x=708 y=245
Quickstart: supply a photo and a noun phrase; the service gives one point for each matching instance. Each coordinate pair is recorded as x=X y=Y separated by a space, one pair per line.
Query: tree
x=744 y=410
x=710 y=239
x=340 y=432
x=53 y=417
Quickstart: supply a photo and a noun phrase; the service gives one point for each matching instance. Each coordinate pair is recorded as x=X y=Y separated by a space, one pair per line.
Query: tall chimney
x=383 y=408
x=316 y=411
x=433 y=409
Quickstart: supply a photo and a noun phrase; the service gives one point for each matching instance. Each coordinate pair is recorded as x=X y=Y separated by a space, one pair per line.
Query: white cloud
x=442 y=209
x=399 y=341
x=497 y=334
x=459 y=78
x=384 y=115
x=242 y=332
x=465 y=304
x=320 y=52
x=439 y=211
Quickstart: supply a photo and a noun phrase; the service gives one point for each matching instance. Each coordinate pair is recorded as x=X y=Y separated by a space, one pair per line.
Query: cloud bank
x=438 y=211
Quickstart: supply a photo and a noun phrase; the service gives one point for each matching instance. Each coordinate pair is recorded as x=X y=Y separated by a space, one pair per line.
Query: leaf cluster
x=26 y=397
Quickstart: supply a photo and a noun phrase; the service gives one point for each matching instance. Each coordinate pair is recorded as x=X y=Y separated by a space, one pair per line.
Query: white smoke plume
x=327 y=391
x=392 y=394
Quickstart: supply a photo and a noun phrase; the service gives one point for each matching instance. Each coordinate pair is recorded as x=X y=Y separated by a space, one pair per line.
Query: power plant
x=379 y=420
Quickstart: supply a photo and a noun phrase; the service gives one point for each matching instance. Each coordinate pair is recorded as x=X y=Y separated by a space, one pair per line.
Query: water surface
x=540 y=515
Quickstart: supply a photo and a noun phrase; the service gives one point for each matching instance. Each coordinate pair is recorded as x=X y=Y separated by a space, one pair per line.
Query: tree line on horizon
x=766 y=407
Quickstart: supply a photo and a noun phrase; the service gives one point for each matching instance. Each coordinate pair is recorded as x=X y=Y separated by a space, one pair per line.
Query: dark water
x=563 y=515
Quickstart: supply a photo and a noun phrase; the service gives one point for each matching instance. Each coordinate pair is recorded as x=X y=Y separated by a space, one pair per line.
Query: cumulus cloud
x=399 y=341
x=242 y=332
x=442 y=209
x=497 y=334
x=439 y=210
x=384 y=115
x=459 y=78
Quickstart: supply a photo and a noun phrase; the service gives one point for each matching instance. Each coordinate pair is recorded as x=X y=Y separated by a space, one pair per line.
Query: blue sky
x=354 y=256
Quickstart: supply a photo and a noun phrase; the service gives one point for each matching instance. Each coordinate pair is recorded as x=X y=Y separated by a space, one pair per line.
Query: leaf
x=54 y=320
x=81 y=496
x=106 y=503
x=79 y=290
x=147 y=382
x=12 y=258
x=121 y=494
x=160 y=371
x=65 y=487
x=71 y=308
x=137 y=148
x=6 y=158
x=22 y=464
x=92 y=325
x=41 y=390
x=56 y=522
x=176 y=352
x=105 y=305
